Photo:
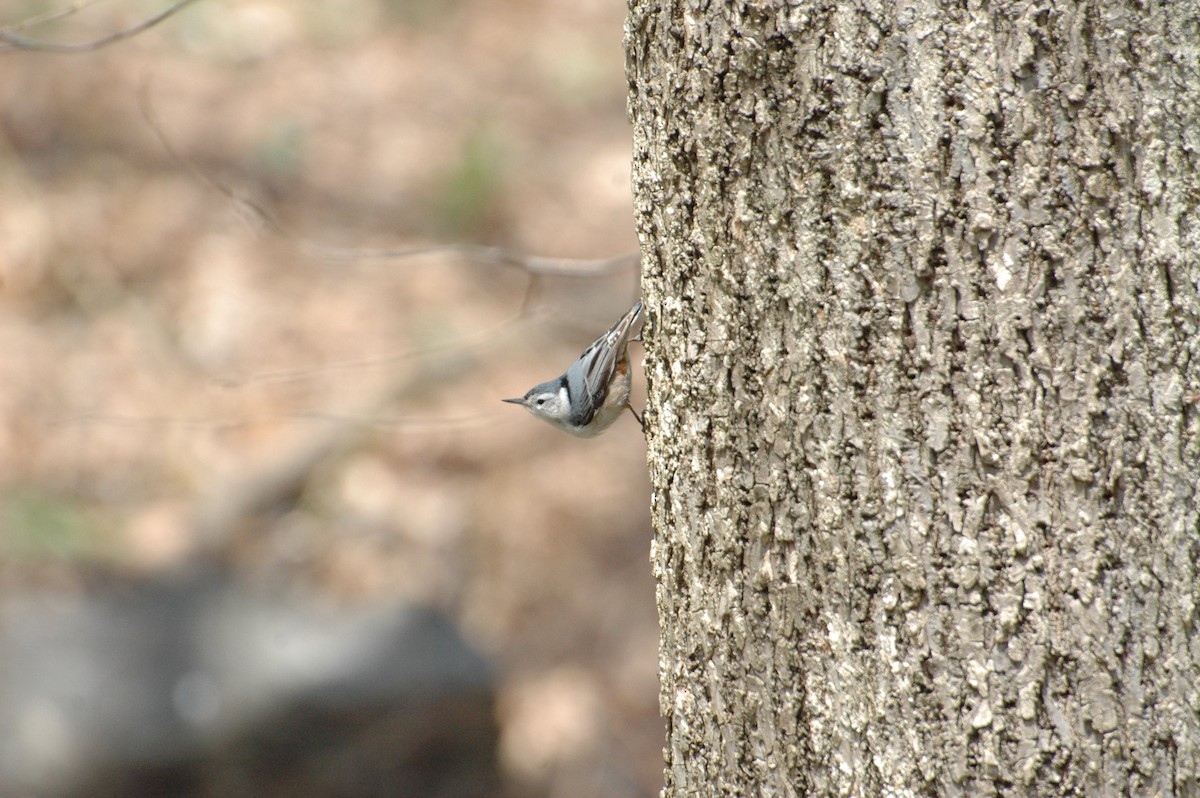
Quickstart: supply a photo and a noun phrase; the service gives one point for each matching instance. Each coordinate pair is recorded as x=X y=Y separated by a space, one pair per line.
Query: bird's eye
x=541 y=402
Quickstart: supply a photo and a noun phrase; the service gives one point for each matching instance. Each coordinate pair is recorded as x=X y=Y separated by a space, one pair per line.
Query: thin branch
x=534 y=265
x=49 y=16
x=13 y=41
x=459 y=346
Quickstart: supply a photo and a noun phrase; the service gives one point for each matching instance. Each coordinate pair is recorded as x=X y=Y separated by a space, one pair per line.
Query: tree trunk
x=923 y=347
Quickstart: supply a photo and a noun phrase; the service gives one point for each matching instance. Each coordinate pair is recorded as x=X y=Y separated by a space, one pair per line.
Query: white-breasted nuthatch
x=590 y=396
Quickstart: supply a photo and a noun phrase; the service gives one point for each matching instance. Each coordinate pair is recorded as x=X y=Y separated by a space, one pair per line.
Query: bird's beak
x=520 y=400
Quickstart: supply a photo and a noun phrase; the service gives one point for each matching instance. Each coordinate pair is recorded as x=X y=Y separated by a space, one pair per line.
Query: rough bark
x=923 y=347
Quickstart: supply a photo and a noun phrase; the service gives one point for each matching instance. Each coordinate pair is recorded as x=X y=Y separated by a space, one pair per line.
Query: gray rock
x=198 y=687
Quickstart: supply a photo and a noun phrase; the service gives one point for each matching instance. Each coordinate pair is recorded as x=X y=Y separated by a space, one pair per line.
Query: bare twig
x=49 y=16
x=13 y=41
x=534 y=265
x=218 y=520
x=459 y=346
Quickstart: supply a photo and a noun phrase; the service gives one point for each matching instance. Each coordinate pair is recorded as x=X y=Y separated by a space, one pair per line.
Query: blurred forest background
x=181 y=381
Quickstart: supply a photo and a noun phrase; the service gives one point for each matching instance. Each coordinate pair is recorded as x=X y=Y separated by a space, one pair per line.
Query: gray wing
x=589 y=376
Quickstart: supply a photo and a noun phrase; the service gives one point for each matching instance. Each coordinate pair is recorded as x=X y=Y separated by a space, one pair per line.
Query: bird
x=590 y=395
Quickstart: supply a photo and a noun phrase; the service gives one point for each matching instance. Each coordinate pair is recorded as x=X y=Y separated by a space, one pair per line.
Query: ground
x=189 y=366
